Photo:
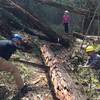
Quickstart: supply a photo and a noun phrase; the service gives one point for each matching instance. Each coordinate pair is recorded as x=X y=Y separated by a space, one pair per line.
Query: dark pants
x=66 y=27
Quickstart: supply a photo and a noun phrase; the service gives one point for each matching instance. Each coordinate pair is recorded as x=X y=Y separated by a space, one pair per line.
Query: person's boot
x=25 y=89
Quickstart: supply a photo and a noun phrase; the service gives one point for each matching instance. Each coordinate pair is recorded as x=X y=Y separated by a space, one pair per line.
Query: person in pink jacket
x=66 y=19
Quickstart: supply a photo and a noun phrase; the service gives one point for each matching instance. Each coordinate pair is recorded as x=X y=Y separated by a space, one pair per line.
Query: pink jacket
x=66 y=18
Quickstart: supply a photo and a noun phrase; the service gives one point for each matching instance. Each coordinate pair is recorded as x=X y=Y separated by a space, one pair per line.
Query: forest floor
x=31 y=73
x=35 y=73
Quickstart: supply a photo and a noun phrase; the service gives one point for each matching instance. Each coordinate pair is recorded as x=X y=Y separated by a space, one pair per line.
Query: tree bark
x=65 y=88
x=5 y=30
x=9 y=20
x=78 y=35
x=34 y=22
x=84 y=37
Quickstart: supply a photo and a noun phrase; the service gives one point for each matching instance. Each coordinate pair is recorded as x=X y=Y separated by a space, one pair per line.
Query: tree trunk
x=65 y=88
x=78 y=35
x=84 y=37
x=8 y=19
x=5 y=30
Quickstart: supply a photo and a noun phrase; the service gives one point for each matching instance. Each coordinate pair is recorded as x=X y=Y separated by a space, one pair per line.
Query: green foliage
x=7 y=78
x=89 y=79
x=58 y=28
x=1 y=37
x=98 y=49
x=25 y=72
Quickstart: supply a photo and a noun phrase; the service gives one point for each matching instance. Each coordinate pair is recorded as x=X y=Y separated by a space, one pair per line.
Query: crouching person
x=94 y=58
x=7 y=48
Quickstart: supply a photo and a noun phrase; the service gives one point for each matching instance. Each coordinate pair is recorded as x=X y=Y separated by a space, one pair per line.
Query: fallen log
x=34 y=22
x=84 y=37
x=15 y=23
x=5 y=30
x=28 y=62
x=78 y=35
x=65 y=88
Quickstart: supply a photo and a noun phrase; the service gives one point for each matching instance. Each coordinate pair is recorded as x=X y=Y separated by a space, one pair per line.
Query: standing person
x=66 y=19
x=7 y=48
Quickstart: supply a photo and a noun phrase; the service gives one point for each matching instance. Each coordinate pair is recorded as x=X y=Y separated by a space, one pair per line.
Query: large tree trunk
x=84 y=37
x=5 y=30
x=9 y=20
x=33 y=22
x=64 y=86
x=93 y=6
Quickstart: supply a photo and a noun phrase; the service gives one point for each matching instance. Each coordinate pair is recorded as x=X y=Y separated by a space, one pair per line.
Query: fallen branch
x=37 y=80
x=85 y=37
x=29 y=63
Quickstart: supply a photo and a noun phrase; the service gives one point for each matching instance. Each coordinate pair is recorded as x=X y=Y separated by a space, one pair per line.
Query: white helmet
x=66 y=11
